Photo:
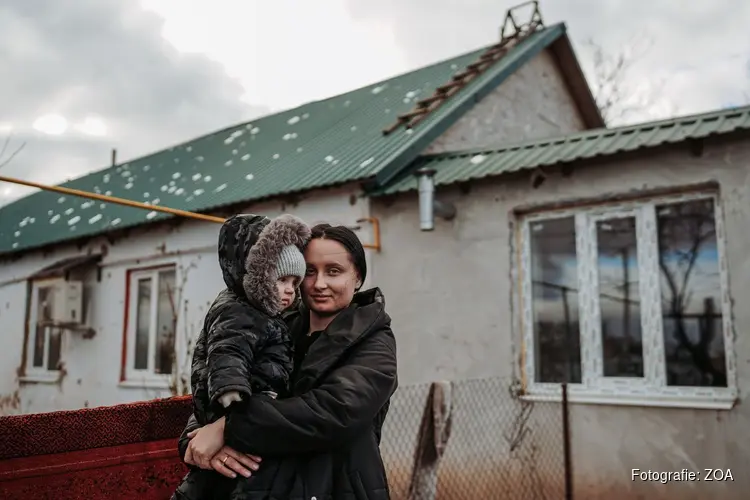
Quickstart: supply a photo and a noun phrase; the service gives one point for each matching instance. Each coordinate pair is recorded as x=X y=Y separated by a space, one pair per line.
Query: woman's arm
x=344 y=404
x=205 y=449
x=184 y=441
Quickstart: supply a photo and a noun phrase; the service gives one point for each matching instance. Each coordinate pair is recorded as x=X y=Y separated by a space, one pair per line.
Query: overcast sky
x=80 y=77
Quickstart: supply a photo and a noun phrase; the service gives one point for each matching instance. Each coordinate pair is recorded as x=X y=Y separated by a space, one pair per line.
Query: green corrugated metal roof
x=319 y=144
x=476 y=164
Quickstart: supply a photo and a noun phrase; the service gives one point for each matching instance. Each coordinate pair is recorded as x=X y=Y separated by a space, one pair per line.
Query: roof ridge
x=439 y=62
x=590 y=134
x=490 y=56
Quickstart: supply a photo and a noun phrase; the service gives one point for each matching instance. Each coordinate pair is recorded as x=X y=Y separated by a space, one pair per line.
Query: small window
x=152 y=320
x=45 y=339
x=627 y=303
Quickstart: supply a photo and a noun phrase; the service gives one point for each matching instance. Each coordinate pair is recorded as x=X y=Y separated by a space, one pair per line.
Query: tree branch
x=7 y=160
x=610 y=79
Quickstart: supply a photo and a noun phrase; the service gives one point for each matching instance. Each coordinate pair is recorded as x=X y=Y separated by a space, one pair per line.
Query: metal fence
x=475 y=439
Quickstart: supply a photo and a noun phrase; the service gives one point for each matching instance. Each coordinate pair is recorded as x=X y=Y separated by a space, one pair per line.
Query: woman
x=323 y=442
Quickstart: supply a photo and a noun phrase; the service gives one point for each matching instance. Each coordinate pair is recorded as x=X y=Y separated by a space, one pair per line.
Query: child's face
x=286 y=287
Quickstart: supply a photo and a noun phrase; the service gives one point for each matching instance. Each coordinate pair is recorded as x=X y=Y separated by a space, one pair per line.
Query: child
x=244 y=346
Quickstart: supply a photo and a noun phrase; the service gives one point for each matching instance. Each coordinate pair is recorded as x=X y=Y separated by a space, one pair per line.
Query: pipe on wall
x=429 y=207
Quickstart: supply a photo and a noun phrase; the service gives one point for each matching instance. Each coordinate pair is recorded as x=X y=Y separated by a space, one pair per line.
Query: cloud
x=84 y=76
x=285 y=52
x=698 y=60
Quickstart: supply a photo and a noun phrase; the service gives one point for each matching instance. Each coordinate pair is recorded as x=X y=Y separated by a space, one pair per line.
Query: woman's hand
x=204 y=444
x=206 y=450
x=229 y=463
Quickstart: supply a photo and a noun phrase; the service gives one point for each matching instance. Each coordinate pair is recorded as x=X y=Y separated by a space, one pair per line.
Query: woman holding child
x=319 y=439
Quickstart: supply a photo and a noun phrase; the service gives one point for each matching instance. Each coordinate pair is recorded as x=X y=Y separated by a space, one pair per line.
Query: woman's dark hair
x=348 y=240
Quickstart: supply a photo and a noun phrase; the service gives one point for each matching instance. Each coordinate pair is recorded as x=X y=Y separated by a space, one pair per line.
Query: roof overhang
x=457 y=167
x=562 y=50
x=62 y=268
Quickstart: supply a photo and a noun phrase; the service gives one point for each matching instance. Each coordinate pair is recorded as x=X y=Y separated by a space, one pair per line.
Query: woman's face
x=331 y=278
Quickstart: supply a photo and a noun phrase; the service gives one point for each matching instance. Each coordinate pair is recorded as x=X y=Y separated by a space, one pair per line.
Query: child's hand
x=204 y=444
x=228 y=398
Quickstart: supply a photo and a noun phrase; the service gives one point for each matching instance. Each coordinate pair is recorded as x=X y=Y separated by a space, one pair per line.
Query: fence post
x=434 y=431
x=566 y=445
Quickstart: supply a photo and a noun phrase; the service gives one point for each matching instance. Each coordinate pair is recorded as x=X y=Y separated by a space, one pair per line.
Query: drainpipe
x=429 y=207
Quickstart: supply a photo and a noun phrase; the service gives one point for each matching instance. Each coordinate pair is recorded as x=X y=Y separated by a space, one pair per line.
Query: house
x=611 y=259
x=142 y=280
x=554 y=250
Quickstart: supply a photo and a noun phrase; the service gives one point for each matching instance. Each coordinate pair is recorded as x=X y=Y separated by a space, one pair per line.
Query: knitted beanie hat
x=291 y=263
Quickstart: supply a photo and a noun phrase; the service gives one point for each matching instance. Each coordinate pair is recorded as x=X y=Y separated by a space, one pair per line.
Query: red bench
x=126 y=451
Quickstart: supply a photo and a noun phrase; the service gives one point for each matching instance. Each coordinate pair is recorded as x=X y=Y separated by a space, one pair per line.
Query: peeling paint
x=10 y=404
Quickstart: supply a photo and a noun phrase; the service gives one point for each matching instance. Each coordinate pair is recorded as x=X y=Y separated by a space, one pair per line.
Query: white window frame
x=145 y=379
x=36 y=373
x=651 y=390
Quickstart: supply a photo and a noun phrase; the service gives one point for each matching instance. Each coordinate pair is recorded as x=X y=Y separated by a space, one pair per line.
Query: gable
x=533 y=103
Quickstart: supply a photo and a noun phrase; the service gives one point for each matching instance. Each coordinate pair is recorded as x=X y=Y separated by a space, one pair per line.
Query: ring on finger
x=224 y=461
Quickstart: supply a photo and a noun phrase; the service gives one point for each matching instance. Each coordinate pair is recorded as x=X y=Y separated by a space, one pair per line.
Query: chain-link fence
x=473 y=439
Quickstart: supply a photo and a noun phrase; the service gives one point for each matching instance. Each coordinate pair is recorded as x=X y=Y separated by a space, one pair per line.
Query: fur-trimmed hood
x=236 y=237
x=249 y=247
x=259 y=281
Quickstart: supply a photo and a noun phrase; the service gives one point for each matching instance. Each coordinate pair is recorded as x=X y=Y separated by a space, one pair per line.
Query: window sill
x=703 y=402
x=40 y=378
x=145 y=383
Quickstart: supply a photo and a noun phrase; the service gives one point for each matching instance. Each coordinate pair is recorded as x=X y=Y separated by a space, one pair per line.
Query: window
x=45 y=339
x=152 y=319
x=628 y=304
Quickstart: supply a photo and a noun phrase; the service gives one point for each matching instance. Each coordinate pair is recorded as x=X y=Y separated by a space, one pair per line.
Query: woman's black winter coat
x=323 y=442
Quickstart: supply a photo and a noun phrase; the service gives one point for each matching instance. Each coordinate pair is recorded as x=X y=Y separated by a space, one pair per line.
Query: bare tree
x=6 y=155
x=182 y=356
x=183 y=339
x=618 y=95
